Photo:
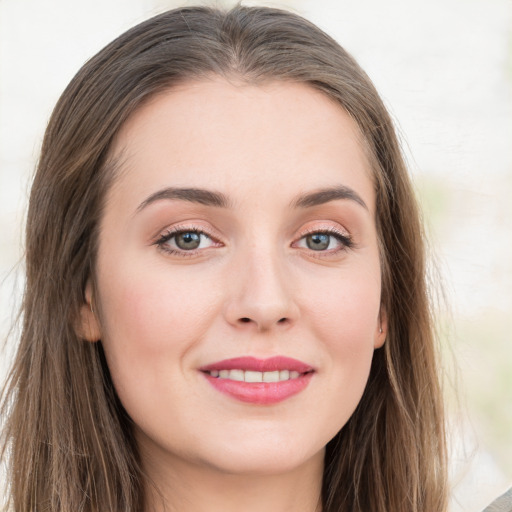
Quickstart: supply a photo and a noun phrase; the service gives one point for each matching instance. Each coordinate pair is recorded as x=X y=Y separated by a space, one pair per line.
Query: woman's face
x=238 y=275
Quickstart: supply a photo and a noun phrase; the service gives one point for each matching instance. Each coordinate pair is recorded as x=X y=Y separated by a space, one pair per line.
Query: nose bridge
x=260 y=293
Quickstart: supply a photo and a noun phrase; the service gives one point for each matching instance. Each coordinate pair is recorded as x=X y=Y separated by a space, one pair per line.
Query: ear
x=89 y=326
x=382 y=328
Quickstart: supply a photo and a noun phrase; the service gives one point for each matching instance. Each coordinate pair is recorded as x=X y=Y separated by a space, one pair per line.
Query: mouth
x=259 y=381
x=254 y=376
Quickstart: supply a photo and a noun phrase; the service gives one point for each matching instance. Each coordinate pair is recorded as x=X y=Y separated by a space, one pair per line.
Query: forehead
x=228 y=136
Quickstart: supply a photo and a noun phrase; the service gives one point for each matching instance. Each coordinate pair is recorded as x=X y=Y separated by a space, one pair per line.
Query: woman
x=225 y=302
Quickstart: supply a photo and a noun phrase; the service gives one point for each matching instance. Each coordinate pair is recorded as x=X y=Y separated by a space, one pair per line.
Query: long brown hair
x=68 y=440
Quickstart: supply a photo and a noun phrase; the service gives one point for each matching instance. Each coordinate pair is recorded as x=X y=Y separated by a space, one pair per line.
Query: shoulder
x=502 y=504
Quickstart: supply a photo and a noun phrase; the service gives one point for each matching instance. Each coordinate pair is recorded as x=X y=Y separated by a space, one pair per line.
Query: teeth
x=236 y=375
x=284 y=374
x=252 y=376
x=271 y=376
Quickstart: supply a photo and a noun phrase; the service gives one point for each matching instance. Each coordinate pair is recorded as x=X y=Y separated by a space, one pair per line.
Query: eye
x=182 y=241
x=188 y=240
x=318 y=241
x=325 y=241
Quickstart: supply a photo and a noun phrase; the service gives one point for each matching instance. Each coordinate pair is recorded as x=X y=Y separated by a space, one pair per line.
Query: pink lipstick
x=259 y=381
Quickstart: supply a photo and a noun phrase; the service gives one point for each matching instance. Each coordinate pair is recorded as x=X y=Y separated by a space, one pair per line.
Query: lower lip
x=263 y=393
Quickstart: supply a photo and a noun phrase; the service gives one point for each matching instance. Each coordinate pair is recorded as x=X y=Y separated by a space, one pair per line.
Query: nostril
x=246 y=320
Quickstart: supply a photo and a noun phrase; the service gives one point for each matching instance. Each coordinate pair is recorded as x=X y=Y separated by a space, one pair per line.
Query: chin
x=262 y=456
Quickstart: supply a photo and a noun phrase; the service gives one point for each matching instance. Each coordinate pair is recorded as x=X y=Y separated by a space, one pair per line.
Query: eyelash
x=345 y=240
x=161 y=242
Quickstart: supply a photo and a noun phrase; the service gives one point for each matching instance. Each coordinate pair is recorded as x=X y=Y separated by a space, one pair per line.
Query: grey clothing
x=502 y=504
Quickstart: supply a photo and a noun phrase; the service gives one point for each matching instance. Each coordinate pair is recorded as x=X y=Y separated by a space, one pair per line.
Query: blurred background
x=444 y=69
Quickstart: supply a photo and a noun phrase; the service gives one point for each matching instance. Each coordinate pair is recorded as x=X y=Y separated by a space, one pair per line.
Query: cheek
x=346 y=310
x=345 y=319
x=152 y=318
x=151 y=307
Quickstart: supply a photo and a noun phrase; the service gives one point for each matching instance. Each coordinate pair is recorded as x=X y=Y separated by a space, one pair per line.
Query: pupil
x=318 y=241
x=188 y=240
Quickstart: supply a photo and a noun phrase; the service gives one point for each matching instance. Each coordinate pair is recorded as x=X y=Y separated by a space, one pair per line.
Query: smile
x=259 y=381
x=254 y=376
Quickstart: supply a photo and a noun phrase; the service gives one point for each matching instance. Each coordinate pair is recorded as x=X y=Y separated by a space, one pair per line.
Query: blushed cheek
x=347 y=317
x=150 y=314
x=149 y=327
x=348 y=333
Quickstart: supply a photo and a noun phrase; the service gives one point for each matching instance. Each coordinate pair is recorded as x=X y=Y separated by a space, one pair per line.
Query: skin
x=254 y=287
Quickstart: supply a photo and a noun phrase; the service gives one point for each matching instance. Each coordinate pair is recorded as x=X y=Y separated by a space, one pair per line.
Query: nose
x=261 y=294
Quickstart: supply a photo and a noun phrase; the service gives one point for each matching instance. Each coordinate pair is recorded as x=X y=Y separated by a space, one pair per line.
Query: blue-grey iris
x=318 y=241
x=188 y=240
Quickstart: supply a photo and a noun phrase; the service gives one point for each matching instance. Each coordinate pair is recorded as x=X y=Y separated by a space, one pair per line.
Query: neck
x=187 y=487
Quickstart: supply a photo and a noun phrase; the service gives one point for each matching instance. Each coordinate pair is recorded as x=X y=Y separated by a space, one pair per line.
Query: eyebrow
x=325 y=195
x=217 y=199
x=193 y=195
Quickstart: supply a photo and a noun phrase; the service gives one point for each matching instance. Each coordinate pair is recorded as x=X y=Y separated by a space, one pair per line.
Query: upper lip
x=276 y=363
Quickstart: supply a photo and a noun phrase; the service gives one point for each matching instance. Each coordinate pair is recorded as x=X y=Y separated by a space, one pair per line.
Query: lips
x=260 y=365
x=259 y=381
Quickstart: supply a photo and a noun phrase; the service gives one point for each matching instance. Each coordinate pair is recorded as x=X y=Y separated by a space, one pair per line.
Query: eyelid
x=325 y=229
x=168 y=233
x=342 y=235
